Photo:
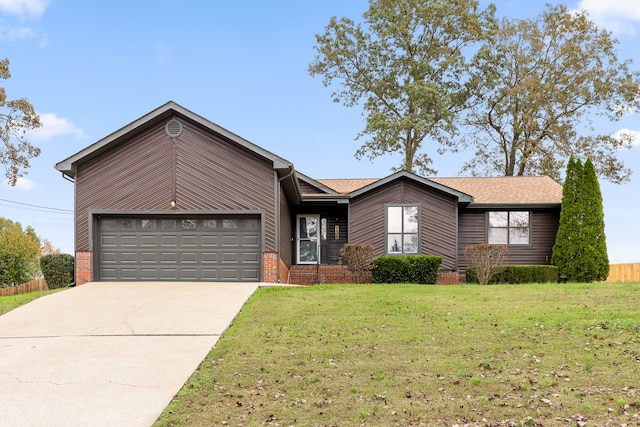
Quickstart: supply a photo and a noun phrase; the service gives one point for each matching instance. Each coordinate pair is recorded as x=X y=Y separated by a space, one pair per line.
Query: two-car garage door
x=162 y=247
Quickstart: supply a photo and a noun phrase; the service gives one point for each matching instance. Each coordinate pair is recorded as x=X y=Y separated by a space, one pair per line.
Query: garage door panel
x=230 y=274
x=108 y=240
x=108 y=257
x=230 y=257
x=209 y=274
x=168 y=274
x=188 y=274
x=149 y=257
x=230 y=240
x=129 y=257
x=189 y=257
x=128 y=240
x=169 y=257
x=169 y=240
x=250 y=241
x=178 y=248
x=249 y=257
x=149 y=241
x=109 y=273
x=129 y=273
x=248 y=274
x=149 y=274
x=209 y=240
x=209 y=257
x=189 y=241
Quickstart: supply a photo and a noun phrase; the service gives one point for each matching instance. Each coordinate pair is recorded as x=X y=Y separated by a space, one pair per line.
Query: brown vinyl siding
x=306 y=188
x=212 y=174
x=437 y=218
x=135 y=176
x=286 y=230
x=544 y=226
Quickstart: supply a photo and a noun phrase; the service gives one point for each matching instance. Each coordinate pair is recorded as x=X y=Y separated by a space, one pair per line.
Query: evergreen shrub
x=58 y=269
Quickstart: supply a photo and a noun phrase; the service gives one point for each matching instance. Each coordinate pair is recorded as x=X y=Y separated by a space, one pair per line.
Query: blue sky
x=90 y=68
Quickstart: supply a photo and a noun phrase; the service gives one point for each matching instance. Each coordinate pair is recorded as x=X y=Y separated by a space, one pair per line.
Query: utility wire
x=39 y=208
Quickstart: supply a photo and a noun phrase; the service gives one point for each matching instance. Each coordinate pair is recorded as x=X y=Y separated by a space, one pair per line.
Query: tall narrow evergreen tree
x=595 y=261
x=566 y=247
x=580 y=251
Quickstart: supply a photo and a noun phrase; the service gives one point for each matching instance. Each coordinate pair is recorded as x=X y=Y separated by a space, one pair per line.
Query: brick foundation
x=284 y=272
x=449 y=277
x=316 y=274
x=270 y=267
x=83 y=268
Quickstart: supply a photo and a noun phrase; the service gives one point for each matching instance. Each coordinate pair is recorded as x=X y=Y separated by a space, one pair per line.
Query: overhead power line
x=36 y=207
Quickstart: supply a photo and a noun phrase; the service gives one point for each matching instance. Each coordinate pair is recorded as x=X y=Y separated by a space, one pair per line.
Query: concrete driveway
x=109 y=354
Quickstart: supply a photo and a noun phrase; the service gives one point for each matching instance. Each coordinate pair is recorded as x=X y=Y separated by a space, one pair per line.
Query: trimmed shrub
x=57 y=269
x=423 y=269
x=518 y=274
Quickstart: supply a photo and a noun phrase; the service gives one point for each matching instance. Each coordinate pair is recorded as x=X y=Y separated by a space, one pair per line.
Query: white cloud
x=618 y=16
x=22 y=184
x=8 y=34
x=53 y=126
x=628 y=134
x=26 y=9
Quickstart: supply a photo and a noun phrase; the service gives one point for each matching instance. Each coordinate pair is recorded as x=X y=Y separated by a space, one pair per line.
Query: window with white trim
x=509 y=228
x=402 y=229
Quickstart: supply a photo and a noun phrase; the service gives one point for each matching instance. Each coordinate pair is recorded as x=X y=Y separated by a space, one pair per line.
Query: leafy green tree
x=580 y=250
x=17 y=116
x=539 y=84
x=405 y=65
x=19 y=252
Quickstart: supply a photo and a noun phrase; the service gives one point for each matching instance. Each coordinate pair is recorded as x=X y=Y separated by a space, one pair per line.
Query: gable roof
x=530 y=190
x=356 y=187
x=68 y=166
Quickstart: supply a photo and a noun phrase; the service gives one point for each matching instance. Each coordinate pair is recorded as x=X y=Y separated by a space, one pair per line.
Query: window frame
x=509 y=227
x=402 y=232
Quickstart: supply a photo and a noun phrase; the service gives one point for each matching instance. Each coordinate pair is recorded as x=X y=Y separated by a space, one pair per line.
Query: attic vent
x=173 y=128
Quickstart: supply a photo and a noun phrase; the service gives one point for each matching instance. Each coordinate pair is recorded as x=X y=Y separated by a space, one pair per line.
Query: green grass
x=409 y=355
x=8 y=303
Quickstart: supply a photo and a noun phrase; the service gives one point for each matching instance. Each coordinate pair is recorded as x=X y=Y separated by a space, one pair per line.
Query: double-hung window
x=402 y=229
x=509 y=228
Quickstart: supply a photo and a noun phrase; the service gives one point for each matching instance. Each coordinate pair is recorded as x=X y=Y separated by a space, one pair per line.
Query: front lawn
x=411 y=355
x=8 y=303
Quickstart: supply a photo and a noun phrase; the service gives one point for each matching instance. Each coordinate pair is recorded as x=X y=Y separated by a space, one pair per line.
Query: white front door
x=307 y=241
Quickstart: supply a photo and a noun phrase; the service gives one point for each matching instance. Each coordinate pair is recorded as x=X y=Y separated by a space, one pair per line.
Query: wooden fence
x=624 y=273
x=32 y=286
